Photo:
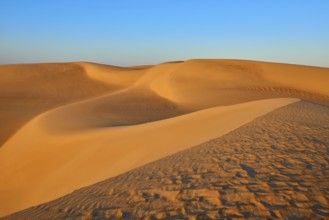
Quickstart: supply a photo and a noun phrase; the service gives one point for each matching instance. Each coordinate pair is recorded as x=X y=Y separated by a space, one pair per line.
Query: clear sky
x=133 y=32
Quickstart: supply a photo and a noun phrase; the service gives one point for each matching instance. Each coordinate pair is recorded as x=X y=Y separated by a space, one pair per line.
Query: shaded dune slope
x=104 y=120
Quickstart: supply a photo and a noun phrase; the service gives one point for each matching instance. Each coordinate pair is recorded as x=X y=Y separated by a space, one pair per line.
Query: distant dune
x=66 y=126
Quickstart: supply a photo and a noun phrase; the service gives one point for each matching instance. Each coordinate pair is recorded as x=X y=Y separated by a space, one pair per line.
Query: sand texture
x=274 y=167
x=69 y=125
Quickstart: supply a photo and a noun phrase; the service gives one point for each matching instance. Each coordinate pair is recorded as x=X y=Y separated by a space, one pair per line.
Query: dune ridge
x=106 y=120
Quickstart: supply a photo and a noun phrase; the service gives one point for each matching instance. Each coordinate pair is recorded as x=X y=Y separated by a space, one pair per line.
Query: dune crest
x=105 y=120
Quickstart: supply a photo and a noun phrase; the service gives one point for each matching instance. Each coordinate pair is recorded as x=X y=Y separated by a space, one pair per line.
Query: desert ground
x=196 y=139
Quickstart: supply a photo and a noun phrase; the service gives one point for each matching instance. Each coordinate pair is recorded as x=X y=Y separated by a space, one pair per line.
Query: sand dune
x=86 y=122
x=120 y=76
x=74 y=156
x=37 y=88
x=223 y=82
x=271 y=168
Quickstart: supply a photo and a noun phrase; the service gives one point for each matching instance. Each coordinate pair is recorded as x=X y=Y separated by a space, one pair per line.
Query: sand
x=256 y=171
x=29 y=90
x=66 y=126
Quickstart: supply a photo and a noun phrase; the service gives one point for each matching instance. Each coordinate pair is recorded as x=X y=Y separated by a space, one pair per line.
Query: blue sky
x=131 y=32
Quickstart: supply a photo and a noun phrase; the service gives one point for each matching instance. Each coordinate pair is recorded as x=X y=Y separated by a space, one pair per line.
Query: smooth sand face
x=100 y=121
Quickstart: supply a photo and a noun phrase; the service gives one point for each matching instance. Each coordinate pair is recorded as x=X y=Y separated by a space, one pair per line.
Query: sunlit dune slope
x=129 y=117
